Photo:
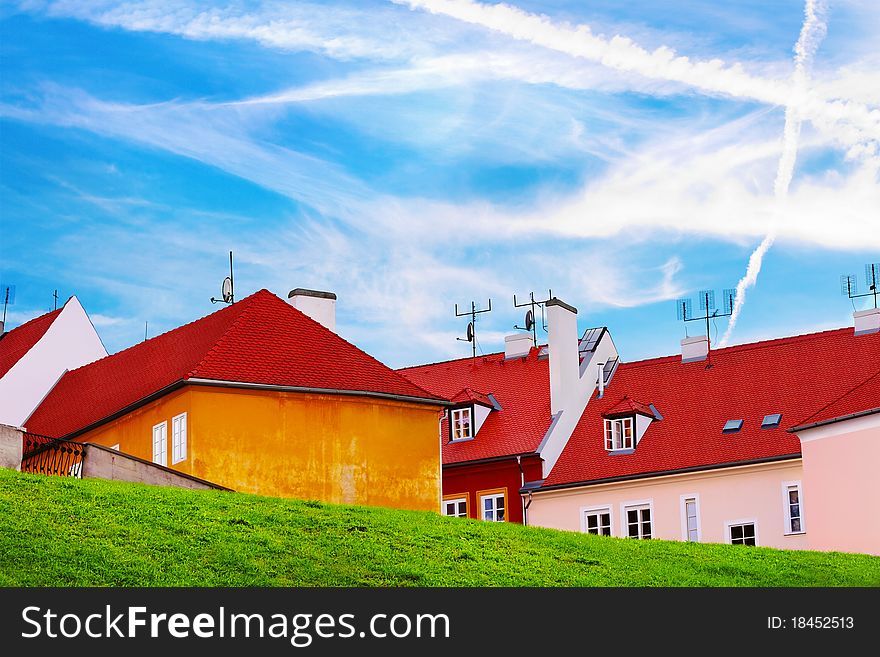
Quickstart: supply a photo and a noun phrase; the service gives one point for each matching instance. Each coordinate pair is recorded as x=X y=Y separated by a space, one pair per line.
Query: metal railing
x=52 y=456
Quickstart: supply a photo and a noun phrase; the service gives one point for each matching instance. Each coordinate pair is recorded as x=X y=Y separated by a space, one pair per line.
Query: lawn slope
x=63 y=532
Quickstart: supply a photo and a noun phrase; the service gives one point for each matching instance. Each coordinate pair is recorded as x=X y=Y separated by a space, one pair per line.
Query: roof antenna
x=8 y=292
x=227 y=289
x=55 y=295
x=529 y=322
x=849 y=286
x=471 y=335
x=146 y=324
x=684 y=312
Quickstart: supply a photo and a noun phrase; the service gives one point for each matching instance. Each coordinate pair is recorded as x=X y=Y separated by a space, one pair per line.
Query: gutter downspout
x=526 y=510
x=443 y=415
x=522 y=482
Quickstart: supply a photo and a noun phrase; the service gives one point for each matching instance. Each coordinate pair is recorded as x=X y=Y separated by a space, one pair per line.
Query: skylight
x=771 y=421
x=732 y=426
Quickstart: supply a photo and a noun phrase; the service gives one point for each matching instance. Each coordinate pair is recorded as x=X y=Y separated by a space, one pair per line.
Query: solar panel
x=771 y=420
x=732 y=426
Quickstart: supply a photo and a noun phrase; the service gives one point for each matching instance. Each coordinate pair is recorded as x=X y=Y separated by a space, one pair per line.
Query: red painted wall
x=469 y=480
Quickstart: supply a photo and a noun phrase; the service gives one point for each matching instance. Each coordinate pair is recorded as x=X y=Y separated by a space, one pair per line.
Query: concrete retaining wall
x=104 y=463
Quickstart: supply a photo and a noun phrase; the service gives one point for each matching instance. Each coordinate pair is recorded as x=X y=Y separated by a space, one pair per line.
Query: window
x=691 y=520
x=732 y=426
x=461 y=424
x=794 y=509
x=638 y=521
x=771 y=421
x=178 y=438
x=455 y=507
x=492 y=504
x=598 y=521
x=742 y=533
x=160 y=444
x=619 y=434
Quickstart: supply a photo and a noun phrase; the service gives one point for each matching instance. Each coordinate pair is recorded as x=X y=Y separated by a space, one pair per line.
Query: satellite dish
x=530 y=320
x=226 y=289
x=470 y=332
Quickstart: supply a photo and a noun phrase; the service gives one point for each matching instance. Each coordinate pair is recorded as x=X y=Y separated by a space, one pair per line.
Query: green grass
x=56 y=531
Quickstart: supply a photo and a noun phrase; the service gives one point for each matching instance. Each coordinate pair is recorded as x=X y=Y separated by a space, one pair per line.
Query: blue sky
x=416 y=154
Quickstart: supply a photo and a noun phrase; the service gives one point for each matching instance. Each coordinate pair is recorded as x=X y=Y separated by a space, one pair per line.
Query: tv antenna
x=708 y=310
x=8 y=295
x=227 y=289
x=529 y=321
x=849 y=286
x=55 y=296
x=471 y=334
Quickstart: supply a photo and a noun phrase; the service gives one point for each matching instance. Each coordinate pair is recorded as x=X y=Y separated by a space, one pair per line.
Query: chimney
x=867 y=321
x=694 y=349
x=562 y=343
x=517 y=345
x=600 y=381
x=2 y=328
x=320 y=306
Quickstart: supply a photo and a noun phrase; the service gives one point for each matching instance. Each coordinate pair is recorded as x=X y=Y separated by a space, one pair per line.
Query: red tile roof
x=628 y=406
x=792 y=376
x=862 y=399
x=522 y=388
x=260 y=339
x=17 y=342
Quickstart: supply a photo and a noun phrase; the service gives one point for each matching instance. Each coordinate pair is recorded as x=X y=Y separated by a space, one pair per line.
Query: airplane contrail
x=812 y=32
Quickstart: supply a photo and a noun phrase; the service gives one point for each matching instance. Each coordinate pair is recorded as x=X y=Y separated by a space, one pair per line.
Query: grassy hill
x=64 y=532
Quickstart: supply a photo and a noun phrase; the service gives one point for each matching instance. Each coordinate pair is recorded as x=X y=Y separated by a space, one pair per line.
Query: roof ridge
x=56 y=312
x=807 y=419
x=275 y=299
x=156 y=337
x=234 y=323
x=745 y=346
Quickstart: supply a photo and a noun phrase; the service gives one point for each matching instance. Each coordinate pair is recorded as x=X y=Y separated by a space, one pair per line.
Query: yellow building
x=260 y=398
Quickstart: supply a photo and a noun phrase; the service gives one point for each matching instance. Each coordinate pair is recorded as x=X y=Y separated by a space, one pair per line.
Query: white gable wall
x=70 y=342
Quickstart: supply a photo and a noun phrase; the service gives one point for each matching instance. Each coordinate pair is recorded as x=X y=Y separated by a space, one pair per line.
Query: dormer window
x=619 y=434
x=461 y=423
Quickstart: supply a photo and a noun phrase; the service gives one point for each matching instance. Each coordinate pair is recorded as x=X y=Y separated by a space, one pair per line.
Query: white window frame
x=457 y=412
x=610 y=436
x=597 y=510
x=786 y=508
x=743 y=521
x=493 y=496
x=179 y=433
x=683 y=500
x=456 y=501
x=636 y=505
x=160 y=455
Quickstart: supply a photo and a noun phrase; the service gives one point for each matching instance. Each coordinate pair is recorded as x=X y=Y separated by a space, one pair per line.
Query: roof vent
x=517 y=345
x=694 y=349
x=732 y=426
x=867 y=321
x=771 y=421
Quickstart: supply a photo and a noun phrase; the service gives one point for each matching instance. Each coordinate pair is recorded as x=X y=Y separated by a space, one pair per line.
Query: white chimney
x=320 y=306
x=517 y=345
x=694 y=349
x=867 y=321
x=600 y=380
x=562 y=343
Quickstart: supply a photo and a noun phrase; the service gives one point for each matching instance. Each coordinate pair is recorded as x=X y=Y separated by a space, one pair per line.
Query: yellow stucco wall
x=334 y=448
